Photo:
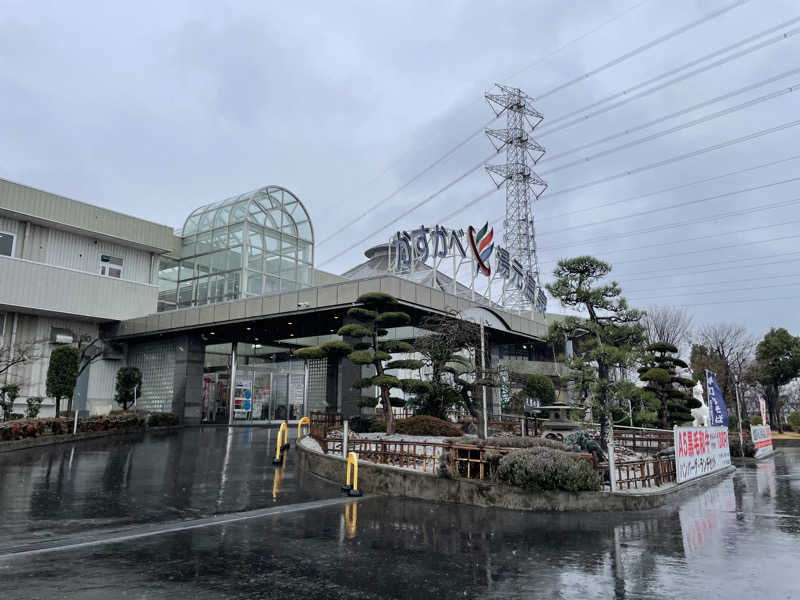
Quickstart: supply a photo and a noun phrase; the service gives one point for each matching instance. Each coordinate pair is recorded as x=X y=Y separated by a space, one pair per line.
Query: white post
x=75 y=424
x=612 y=470
x=305 y=388
x=483 y=387
x=232 y=391
x=345 y=437
x=739 y=414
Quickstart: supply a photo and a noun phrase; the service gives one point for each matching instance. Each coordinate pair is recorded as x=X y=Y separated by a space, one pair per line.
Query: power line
x=739 y=289
x=670 y=189
x=694 y=239
x=664 y=226
x=748 y=300
x=652 y=44
x=674 y=129
x=738 y=265
x=627 y=95
x=427 y=169
x=573 y=41
x=677 y=158
x=748 y=280
x=676 y=205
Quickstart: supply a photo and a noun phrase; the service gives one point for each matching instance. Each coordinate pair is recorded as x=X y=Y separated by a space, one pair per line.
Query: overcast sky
x=155 y=108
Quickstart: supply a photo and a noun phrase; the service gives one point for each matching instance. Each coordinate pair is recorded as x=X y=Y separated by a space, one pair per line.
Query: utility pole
x=738 y=412
x=523 y=186
x=483 y=387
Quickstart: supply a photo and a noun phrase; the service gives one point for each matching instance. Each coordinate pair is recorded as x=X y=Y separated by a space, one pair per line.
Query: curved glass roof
x=273 y=207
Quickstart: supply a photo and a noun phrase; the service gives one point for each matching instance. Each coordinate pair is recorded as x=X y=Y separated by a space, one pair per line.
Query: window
x=6 y=244
x=110 y=266
x=2 y=324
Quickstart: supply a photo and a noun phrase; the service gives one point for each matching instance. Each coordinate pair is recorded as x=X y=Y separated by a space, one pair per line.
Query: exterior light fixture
x=289 y=323
x=249 y=328
x=210 y=333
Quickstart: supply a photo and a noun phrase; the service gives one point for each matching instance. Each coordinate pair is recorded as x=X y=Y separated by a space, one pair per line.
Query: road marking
x=174 y=527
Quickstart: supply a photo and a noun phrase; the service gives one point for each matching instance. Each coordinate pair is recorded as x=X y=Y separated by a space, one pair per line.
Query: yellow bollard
x=280 y=444
x=303 y=421
x=351 y=519
x=352 y=490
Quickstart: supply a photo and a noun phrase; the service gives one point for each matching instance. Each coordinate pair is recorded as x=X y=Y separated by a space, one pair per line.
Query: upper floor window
x=6 y=244
x=110 y=266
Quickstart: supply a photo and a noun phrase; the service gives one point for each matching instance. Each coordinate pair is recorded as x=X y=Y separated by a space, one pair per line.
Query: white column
x=232 y=390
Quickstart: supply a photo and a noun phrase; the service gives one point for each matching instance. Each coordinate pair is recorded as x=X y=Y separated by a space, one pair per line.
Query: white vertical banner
x=763 y=406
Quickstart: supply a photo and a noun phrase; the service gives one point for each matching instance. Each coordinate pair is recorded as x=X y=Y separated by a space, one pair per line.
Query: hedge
x=541 y=468
x=421 y=425
x=116 y=421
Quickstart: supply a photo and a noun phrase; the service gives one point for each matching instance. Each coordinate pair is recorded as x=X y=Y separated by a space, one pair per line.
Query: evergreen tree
x=671 y=390
x=128 y=380
x=777 y=363
x=62 y=373
x=607 y=336
x=373 y=318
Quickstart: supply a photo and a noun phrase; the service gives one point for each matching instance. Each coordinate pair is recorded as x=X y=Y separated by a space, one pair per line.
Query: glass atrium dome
x=254 y=244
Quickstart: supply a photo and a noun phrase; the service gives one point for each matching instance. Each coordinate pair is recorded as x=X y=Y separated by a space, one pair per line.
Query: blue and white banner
x=717 y=411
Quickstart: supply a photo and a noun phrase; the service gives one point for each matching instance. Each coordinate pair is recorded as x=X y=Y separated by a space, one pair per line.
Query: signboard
x=717 y=411
x=763 y=406
x=432 y=246
x=762 y=439
x=243 y=394
x=505 y=387
x=700 y=451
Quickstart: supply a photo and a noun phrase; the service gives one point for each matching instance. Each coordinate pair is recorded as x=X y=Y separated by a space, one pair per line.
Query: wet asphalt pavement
x=203 y=513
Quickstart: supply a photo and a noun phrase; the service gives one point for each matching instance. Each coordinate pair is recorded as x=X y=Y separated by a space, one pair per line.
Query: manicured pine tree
x=62 y=373
x=377 y=314
x=672 y=391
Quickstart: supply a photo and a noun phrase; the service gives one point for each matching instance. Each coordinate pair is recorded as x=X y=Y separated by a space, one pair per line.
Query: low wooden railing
x=647 y=473
x=322 y=422
x=643 y=440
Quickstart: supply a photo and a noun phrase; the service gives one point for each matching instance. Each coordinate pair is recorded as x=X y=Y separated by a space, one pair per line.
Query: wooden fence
x=648 y=473
x=321 y=422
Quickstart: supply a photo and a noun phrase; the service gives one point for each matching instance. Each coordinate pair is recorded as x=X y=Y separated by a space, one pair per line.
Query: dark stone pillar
x=187 y=401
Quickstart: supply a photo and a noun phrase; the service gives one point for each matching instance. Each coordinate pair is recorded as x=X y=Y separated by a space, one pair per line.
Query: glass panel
x=222 y=215
x=216 y=288
x=288 y=225
x=274 y=219
x=191 y=224
x=187 y=268
x=271 y=284
x=202 y=290
x=254 y=236
x=290 y=207
x=304 y=274
x=272 y=264
x=304 y=230
x=289 y=246
x=206 y=221
x=254 y=283
x=235 y=234
x=232 y=281
x=220 y=239
x=288 y=269
x=202 y=265
x=257 y=214
x=273 y=241
x=204 y=242
x=304 y=252
x=185 y=293
x=238 y=212
x=168 y=268
x=219 y=261
x=235 y=258
x=188 y=246
x=254 y=258
x=288 y=285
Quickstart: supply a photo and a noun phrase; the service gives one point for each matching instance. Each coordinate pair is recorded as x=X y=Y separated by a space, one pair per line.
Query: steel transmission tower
x=523 y=186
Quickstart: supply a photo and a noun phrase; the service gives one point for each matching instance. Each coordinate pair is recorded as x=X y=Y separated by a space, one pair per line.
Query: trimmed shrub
x=163 y=419
x=354 y=330
x=542 y=468
x=794 y=420
x=510 y=442
x=420 y=425
x=736 y=449
x=34 y=406
x=361 y=424
x=755 y=420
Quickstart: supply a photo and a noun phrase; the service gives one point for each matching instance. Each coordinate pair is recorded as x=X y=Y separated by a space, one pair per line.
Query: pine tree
x=672 y=391
x=377 y=314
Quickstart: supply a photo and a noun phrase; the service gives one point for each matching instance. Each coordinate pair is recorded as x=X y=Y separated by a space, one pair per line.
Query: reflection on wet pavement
x=741 y=534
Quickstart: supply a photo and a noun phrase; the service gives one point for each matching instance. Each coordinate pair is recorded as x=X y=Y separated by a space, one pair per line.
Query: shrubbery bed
x=420 y=425
x=33 y=428
x=542 y=468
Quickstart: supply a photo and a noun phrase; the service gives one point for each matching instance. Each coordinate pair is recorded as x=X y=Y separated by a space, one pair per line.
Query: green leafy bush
x=34 y=406
x=163 y=419
x=755 y=420
x=794 y=420
x=578 y=441
x=421 y=425
x=736 y=449
x=510 y=442
x=542 y=468
x=354 y=330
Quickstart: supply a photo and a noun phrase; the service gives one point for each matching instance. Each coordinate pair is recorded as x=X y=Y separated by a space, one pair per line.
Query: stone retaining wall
x=392 y=481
